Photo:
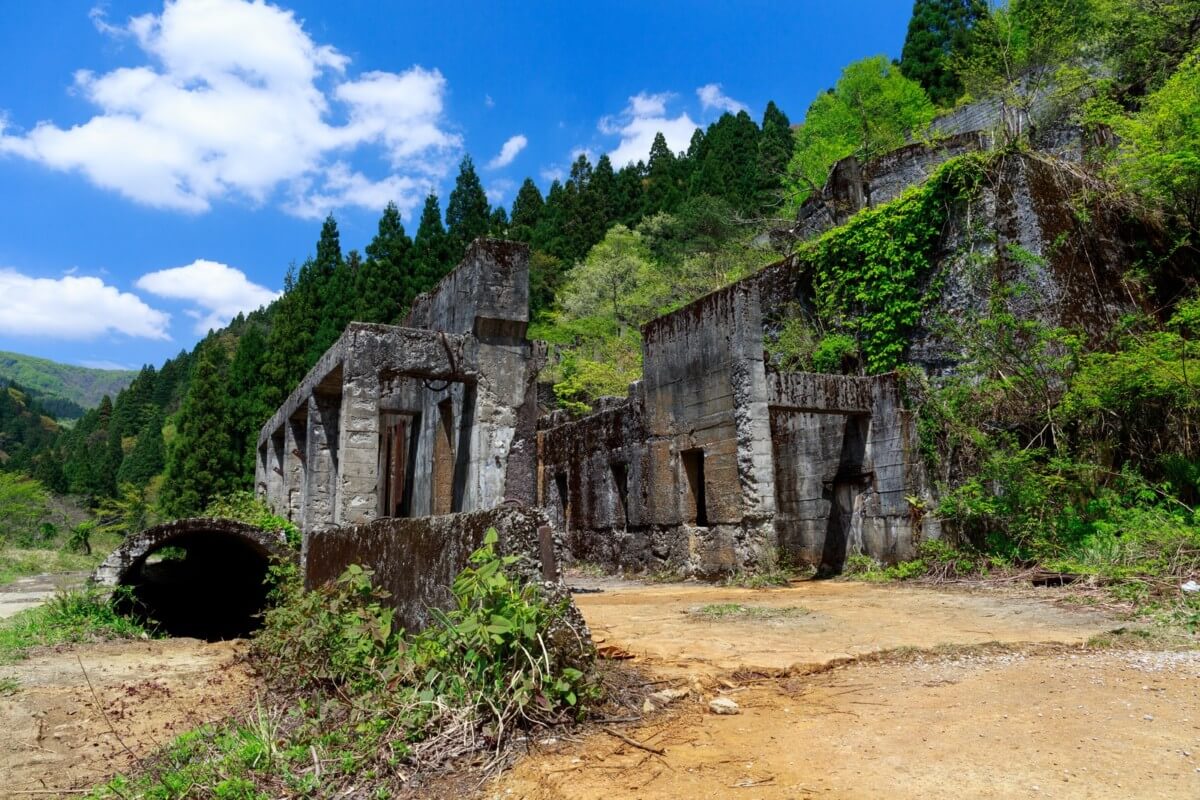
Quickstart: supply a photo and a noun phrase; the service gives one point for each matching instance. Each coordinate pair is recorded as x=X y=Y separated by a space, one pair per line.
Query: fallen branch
x=634 y=742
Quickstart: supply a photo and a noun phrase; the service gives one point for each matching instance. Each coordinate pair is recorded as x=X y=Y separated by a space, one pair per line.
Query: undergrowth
x=84 y=615
x=358 y=707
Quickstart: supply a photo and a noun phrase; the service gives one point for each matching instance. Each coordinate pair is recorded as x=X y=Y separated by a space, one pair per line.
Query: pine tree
x=729 y=167
x=662 y=192
x=385 y=285
x=248 y=404
x=467 y=213
x=147 y=458
x=201 y=464
x=937 y=30
x=291 y=334
x=431 y=256
x=526 y=211
x=329 y=287
x=774 y=151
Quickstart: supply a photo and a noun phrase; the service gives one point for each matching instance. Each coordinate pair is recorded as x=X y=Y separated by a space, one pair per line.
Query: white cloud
x=488 y=101
x=74 y=307
x=645 y=116
x=508 y=152
x=551 y=174
x=711 y=96
x=341 y=187
x=497 y=189
x=230 y=103
x=219 y=291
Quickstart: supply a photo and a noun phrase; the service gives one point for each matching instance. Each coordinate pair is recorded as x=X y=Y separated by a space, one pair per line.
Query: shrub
x=245 y=507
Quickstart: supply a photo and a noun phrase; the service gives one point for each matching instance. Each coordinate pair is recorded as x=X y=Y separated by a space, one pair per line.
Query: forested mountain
x=83 y=386
x=615 y=245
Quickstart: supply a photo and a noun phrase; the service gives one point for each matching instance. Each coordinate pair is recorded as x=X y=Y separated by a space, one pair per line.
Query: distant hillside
x=81 y=385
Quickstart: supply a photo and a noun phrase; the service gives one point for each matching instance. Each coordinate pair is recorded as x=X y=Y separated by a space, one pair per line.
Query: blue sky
x=164 y=163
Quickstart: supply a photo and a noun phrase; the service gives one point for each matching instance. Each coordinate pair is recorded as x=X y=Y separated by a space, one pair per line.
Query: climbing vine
x=868 y=273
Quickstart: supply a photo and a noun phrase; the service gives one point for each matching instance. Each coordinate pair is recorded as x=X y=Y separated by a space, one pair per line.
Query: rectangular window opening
x=693 y=468
x=564 y=497
x=620 y=475
x=398 y=449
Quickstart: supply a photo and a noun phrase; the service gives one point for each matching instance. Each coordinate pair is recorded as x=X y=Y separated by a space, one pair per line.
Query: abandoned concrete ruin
x=713 y=463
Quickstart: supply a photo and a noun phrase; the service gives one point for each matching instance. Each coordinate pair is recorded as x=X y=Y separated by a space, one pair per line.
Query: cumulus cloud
x=711 y=97
x=230 y=103
x=645 y=116
x=74 y=307
x=218 y=291
x=508 y=152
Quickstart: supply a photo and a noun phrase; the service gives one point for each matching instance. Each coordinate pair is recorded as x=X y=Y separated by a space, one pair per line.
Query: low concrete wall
x=417 y=559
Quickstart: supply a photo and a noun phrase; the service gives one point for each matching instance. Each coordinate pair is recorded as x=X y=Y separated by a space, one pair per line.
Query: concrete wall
x=416 y=560
x=461 y=369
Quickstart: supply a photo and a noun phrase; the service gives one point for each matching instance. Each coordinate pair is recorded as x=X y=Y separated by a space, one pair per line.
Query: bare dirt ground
x=821 y=717
x=56 y=734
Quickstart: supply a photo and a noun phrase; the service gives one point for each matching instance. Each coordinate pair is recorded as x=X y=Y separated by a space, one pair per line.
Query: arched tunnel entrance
x=204 y=578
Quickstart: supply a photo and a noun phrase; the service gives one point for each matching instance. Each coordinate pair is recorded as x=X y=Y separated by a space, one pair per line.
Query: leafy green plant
x=869 y=275
x=84 y=615
x=246 y=507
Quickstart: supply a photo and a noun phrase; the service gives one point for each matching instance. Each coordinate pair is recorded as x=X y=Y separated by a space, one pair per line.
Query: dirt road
x=989 y=721
x=34 y=590
x=56 y=734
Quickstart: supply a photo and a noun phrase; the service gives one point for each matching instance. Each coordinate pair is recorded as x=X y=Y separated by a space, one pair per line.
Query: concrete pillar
x=358 y=460
x=272 y=458
x=321 y=474
x=756 y=465
x=295 y=451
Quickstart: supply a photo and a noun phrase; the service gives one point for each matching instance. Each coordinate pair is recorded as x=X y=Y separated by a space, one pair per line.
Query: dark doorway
x=848 y=483
x=204 y=585
x=398 y=451
x=620 y=475
x=696 y=510
x=443 y=459
x=562 y=486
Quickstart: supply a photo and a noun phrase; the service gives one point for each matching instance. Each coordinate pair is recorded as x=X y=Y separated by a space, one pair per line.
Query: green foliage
x=81 y=385
x=244 y=506
x=24 y=505
x=202 y=463
x=869 y=274
x=833 y=353
x=938 y=32
x=1158 y=151
x=69 y=617
x=126 y=514
x=467 y=213
x=1022 y=48
x=872 y=109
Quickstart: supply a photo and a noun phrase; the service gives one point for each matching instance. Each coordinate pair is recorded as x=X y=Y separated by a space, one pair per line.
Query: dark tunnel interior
x=206 y=585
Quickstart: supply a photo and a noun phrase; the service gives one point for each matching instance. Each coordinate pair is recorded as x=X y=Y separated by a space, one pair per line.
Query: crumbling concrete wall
x=458 y=382
x=416 y=560
x=714 y=462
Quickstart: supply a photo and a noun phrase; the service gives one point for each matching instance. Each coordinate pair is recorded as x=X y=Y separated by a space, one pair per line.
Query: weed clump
x=82 y=615
x=356 y=701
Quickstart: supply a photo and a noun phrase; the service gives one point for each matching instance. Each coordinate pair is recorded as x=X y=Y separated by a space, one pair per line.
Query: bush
x=245 y=507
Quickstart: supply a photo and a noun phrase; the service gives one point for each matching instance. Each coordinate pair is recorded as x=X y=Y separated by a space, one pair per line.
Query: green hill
x=82 y=385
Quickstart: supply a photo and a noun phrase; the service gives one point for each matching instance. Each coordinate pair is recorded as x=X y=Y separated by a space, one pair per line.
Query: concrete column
x=321 y=475
x=358 y=460
x=272 y=459
x=756 y=466
x=295 y=451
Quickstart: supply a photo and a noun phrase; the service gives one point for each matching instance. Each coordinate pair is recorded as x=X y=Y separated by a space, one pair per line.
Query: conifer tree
x=385 y=284
x=662 y=192
x=431 y=258
x=147 y=458
x=201 y=464
x=774 y=151
x=526 y=211
x=248 y=403
x=729 y=168
x=467 y=213
x=937 y=30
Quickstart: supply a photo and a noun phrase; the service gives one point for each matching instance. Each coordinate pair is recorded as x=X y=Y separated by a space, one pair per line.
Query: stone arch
x=213 y=584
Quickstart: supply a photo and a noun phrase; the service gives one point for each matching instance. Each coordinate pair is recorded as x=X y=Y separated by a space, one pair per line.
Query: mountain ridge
x=82 y=385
